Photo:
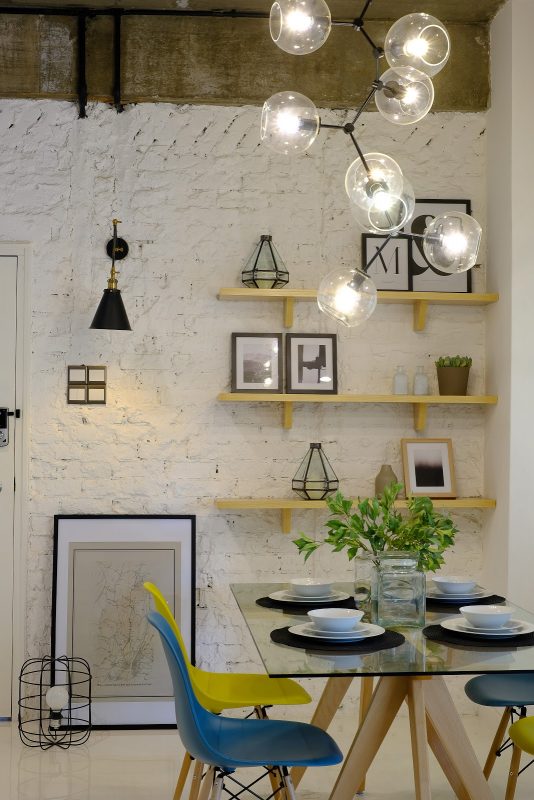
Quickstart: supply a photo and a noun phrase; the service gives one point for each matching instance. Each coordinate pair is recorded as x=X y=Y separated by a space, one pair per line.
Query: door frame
x=22 y=250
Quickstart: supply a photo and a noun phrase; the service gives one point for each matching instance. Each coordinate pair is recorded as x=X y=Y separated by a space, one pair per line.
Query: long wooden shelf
x=287 y=505
x=420 y=403
x=420 y=300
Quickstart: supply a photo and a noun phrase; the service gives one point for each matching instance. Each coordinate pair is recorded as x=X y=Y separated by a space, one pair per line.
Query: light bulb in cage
x=57 y=698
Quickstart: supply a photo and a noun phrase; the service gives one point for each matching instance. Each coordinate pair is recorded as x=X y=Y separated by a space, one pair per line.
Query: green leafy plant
x=374 y=525
x=454 y=361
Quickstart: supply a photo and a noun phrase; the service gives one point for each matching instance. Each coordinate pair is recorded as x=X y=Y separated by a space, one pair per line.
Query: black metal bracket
x=117 y=16
x=82 y=76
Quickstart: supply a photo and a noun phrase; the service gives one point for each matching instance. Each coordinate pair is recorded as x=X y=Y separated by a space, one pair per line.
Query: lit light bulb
x=300 y=26
x=389 y=212
x=348 y=296
x=451 y=242
x=57 y=697
x=289 y=122
x=420 y=41
x=406 y=95
x=366 y=184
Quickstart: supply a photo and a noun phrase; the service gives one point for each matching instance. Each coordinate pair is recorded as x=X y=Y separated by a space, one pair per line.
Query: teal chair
x=225 y=744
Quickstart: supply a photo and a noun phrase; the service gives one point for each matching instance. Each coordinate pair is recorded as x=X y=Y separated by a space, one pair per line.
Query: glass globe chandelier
x=381 y=199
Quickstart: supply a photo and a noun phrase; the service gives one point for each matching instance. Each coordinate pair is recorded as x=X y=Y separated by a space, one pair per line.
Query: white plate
x=513 y=626
x=309 y=596
x=479 y=594
x=283 y=596
x=457 y=625
x=367 y=631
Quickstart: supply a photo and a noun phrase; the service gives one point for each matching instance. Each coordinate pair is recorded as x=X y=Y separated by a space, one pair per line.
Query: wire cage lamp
x=315 y=479
x=381 y=199
x=265 y=268
x=54 y=705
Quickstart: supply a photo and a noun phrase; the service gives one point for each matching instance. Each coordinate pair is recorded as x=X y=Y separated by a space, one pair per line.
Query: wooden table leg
x=445 y=762
x=366 y=693
x=448 y=728
x=387 y=699
x=329 y=702
x=416 y=707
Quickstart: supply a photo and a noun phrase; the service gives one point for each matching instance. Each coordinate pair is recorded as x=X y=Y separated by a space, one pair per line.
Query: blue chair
x=226 y=743
x=512 y=692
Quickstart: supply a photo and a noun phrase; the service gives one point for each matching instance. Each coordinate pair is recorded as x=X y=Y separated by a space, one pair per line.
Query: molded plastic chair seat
x=501 y=690
x=522 y=734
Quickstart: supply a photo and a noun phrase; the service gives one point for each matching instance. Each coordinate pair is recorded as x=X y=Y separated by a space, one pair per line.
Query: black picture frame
x=257 y=366
x=423 y=276
x=96 y=534
x=390 y=270
x=295 y=363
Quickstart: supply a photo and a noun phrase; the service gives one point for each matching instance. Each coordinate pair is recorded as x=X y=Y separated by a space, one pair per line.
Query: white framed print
x=428 y=467
x=311 y=363
x=390 y=256
x=257 y=362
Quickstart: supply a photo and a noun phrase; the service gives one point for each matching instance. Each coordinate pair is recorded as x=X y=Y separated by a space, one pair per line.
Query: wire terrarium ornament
x=382 y=200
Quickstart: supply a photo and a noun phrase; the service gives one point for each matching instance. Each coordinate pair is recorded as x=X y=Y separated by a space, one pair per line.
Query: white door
x=9 y=268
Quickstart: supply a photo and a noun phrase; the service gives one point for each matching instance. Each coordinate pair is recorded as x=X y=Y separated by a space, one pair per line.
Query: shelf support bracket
x=420 y=307
x=289 y=305
x=288 y=416
x=419 y=416
x=286 y=520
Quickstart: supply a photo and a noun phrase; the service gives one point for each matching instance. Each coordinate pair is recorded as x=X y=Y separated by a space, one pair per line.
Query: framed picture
x=257 y=362
x=391 y=268
x=99 y=608
x=425 y=277
x=311 y=363
x=428 y=467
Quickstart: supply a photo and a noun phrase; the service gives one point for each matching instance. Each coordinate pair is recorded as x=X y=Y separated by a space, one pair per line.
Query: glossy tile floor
x=143 y=766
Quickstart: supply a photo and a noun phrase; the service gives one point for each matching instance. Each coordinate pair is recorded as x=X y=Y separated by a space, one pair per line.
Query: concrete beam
x=220 y=61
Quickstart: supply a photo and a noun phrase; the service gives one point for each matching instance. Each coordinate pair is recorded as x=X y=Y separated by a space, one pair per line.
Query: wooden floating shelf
x=287 y=505
x=420 y=403
x=419 y=300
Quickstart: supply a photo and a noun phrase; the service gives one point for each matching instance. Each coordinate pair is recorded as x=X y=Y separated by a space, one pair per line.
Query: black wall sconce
x=86 y=385
x=111 y=314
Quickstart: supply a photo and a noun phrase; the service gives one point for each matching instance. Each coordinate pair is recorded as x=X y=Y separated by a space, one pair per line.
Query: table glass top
x=417 y=656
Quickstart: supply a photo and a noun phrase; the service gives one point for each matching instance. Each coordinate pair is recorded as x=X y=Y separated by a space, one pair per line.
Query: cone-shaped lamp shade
x=111 y=314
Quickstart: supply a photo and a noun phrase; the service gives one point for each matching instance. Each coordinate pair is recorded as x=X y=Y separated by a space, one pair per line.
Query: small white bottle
x=420 y=381
x=400 y=381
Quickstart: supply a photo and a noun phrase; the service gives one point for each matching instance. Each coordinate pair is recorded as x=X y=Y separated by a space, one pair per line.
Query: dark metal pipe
x=82 y=77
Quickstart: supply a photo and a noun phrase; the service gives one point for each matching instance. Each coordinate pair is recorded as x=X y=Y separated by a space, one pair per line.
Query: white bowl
x=453 y=584
x=487 y=616
x=308 y=587
x=335 y=619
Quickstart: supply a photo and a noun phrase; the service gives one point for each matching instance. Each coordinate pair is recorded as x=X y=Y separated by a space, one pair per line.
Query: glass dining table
x=413 y=671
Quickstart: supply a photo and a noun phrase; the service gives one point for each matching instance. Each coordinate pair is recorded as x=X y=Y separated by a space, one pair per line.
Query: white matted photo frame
x=257 y=362
x=424 y=277
x=390 y=269
x=311 y=363
x=99 y=608
x=428 y=467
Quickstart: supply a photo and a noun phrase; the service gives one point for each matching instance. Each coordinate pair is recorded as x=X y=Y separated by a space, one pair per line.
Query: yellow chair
x=522 y=735
x=218 y=691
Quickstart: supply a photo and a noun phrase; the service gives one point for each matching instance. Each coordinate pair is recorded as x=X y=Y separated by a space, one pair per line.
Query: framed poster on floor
x=99 y=608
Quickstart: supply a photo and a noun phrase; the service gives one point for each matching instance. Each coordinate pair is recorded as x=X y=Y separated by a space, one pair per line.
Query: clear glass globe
x=289 y=122
x=452 y=241
x=371 y=187
x=300 y=26
x=420 y=41
x=348 y=296
x=387 y=217
x=406 y=97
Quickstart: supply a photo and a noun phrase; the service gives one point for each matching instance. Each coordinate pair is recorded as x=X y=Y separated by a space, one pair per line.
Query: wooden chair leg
x=512 y=775
x=366 y=694
x=497 y=741
x=276 y=785
x=196 y=781
x=182 y=777
x=207 y=784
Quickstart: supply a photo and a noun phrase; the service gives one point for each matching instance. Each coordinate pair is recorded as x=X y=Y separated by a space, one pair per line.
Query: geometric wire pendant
x=265 y=269
x=315 y=479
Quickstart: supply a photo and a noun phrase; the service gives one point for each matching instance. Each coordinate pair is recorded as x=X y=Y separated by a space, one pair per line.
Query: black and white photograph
x=257 y=362
x=311 y=363
x=428 y=467
x=423 y=276
x=390 y=269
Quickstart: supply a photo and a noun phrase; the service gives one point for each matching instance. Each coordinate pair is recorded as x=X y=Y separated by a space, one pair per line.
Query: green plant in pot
x=372 y=531
x=453 y=374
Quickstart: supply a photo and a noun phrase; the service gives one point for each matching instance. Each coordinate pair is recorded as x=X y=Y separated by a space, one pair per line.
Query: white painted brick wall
x=195 y=189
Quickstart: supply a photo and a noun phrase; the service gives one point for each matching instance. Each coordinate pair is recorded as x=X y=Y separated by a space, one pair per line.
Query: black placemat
x=438 y=634
x=303 y=608
x=386 y=641
x=437 y=605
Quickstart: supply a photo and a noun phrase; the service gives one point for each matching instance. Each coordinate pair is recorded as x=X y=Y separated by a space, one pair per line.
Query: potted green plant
x=453 y=374
x=372 y=528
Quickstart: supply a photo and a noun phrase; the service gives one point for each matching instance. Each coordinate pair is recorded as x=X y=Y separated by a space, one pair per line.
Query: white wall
x=195 y=190
x=510 y=541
